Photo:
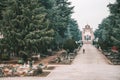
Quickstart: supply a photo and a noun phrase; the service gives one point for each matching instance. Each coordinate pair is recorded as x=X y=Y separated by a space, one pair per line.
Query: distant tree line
x=108 y=33
x=33 y=26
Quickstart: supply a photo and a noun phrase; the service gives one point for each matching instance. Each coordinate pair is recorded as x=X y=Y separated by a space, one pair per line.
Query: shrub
x=5 y=57
x=20 y=61
x=70 y=45
x=24 y=55
x=37 y=71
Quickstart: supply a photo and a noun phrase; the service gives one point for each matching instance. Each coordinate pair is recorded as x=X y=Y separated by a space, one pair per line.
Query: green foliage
x=20 y=61
x=33 y=26
x=37 y=71
x=25 y=27
x=59 y=16
x=70 y=45
x=109 y=30
x=2 y=7
x=73 y=31
x=5 y=57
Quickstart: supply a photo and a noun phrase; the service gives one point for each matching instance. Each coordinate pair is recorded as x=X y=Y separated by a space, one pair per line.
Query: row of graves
x=28 y=69
x=31 y=67
x=113 y=55
x=21 y=67
x=65 y=58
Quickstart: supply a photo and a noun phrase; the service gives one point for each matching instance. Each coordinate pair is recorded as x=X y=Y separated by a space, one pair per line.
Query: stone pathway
x=91 y=65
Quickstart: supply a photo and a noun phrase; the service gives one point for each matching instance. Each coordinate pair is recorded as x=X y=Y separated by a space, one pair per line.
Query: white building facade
x=87 y=35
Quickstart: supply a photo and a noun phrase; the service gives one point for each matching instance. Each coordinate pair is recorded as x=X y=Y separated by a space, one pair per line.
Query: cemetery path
x=91 y=65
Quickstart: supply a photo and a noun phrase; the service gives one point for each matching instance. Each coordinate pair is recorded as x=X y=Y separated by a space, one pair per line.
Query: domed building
x=87 y=35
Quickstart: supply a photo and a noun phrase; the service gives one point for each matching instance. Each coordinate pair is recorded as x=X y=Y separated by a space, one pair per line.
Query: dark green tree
x=73 y=31
x=25 y=26
x=30 y=26
x=59 y=16
x=109 y=30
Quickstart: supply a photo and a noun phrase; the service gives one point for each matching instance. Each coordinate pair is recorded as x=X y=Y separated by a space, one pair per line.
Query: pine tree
x=25 y=27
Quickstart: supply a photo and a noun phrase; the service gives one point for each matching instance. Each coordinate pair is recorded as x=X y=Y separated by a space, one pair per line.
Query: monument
x=87 y=35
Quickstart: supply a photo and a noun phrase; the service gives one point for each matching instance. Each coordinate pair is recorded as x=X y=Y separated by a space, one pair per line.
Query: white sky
x=90 y=12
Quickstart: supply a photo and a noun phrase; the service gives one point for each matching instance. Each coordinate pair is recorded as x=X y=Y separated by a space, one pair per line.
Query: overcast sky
x=90 y=12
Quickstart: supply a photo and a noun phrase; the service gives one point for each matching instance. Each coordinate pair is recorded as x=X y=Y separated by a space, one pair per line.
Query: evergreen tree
x=30 y=26
x=25 y=27
x=109 y=30
x=59 y=16
x=2 y=7
x=115 y=22
x=73 y=31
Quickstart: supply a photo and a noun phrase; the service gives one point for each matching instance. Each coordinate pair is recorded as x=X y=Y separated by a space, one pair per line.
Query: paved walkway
x=91 y=65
